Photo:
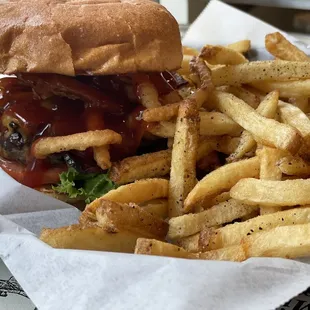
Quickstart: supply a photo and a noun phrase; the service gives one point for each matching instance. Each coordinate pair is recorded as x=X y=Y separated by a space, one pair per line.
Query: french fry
x=137 y=192
x=234 y=233
x=293 y=116
x=175 y=96
x=218 y=124
x=269 y=170
x=267 y=108
x=141 y=167
x=167 y=112
x=247 y=96
x=287 y=89
x=155 y=247
x=272 y=193
x=300 y=102
x=277 y=45
x=190 y=51
x=267 y=131
x=79 y=141
x=294 y=165
x=185 y=68
x=222 y=179
x=115 y=217
x=210 y=162
x=211 y=124
x=102 y=157
x=148 y=95
x=216 y=54
x=260 y=71
x=92 y=238
x=220 y=198
x=242 y=46
x=190 y=243
x=183 y=158
x=190 y=224
x=157 y=207
x=278 y=242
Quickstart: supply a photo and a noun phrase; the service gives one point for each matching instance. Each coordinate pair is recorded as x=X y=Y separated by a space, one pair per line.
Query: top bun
x=95 y=37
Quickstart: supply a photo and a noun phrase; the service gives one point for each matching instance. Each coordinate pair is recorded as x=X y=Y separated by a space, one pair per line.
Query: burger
x=75 y=66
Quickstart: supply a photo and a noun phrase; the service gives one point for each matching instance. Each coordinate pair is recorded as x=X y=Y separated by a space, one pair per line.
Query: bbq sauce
x=65 y=111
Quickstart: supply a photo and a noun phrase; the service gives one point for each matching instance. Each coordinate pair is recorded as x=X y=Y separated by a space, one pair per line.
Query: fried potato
x=277 y=45
x=260 y=71
x=247 y=96
x=148 y=95
x=183 y=158
x=267 y=131
x=222 y=179
x=92 y=238
x=216 y=54
x=286 y=89
x=272 y=193
x=115 y=217
x=175 y=96
x=269 y=170
x=167 y=112
x=278 y=242
x=293 y=116
x=209 y=162
x=79 y=141
x=155 y=247
x=242 y=46
x=157 y=207
x=267 y=108
x=294 y=165
x=190 y=224
x=190 y=51
x=141 y=167
x=190 y=243
x=300 y=102
x=185 y=68
x=211 y=124
x=234 y=233
x=102 y=156
x=137 y=192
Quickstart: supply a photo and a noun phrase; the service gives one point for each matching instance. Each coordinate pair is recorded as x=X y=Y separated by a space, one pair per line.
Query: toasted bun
x=87 y=37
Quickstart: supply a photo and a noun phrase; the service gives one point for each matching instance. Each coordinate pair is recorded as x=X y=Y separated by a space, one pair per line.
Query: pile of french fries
x=255 y=115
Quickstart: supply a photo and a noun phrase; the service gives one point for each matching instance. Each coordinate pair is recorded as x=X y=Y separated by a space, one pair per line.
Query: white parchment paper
x=72 y=279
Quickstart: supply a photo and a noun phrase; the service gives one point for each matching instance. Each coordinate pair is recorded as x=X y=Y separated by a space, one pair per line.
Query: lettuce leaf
x=88 y=186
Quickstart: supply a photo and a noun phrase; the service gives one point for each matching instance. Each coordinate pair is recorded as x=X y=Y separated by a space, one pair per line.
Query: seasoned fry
x=267 y=108
x=102 y=157
x=294 y=165
x=137 y=192
x=272 y=193
x=167 y=112
x=260 y=71
x=269 y=170
x=190 y=51
x=185 y=68
x=301 y=103
x=190 y=243
x=222 y=179
x=211 y=124
x=89 y=238
x=286 y=89
x=148 y=95
x=209 y=162
x=247 y=96
x=155 y=247
x=242 y=46
x=145 y=166
x=157 y=207
x=293 y=116
x=79 y=141
x=267 y=131
x=234 y=233
x=277 y=45
x=190 y=224
x=183 y=158
x=114 y=217
x=216 y=54
x=278 y=242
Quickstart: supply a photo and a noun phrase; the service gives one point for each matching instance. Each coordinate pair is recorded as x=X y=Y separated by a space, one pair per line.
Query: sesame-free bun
x=97 y=37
